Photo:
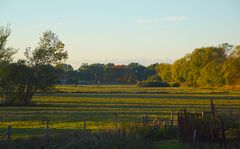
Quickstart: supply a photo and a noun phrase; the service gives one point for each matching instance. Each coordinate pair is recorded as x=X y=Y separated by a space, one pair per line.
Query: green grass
x=171 y=144
x=134 y=89
x=68 y=106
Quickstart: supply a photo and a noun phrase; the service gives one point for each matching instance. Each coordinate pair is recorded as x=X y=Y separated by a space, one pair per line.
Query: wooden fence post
x=172 y=118
x=212 y=108
x=202 y=114
x=9 y=132
x=116 y=120
x=143 y=120
x=147 y=118
x=84 y=125
x=47 y=127
x=230 y=112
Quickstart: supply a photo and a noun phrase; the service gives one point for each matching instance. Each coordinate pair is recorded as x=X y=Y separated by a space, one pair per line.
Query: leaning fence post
x=9 y=133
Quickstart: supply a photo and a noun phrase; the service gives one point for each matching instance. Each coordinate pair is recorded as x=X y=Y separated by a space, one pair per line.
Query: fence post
x=47 y=127
x=172 y=118
x=84 y=125
x=116 y=120
x=147 y=118
x=212 y=108
x=143 y=120
x=9 y=132
x=230 y=113
x=202 y=114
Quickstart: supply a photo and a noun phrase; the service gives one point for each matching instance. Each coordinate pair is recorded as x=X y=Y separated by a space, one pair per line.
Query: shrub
x=152 y=84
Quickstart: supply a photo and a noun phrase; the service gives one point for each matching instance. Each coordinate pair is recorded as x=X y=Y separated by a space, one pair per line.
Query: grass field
x=67 y=106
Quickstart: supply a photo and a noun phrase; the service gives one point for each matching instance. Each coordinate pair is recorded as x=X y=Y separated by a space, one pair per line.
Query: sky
x=123 y=31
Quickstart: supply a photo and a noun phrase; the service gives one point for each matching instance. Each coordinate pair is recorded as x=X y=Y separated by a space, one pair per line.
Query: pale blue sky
x=123 y=31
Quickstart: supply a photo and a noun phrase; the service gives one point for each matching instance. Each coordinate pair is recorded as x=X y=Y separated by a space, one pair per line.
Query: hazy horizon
x=121 y=32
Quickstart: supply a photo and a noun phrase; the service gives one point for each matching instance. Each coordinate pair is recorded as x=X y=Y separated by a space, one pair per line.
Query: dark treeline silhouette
x=105 y=73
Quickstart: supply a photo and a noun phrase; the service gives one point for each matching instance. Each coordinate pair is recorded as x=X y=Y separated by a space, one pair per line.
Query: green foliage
x=113 y=74
x=122 y=138
x=5 y=53
x=211 y=75
x=231 y=69
x=50 y=50
x=172 y=144
x=204 y=67
x=162 y=133
x=19 y=89
x=164 y=72
x=65 y=67
x=20 y=81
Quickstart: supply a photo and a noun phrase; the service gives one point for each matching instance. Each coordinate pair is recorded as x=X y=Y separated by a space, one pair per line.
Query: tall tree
x=211 y=75
x=6 y=54
x=164 y=72
x=21 y=80
x=50 y=50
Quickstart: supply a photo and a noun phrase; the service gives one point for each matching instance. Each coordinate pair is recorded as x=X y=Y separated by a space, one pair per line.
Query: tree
x=231 y=67
x=180 y=70
x=237 y=49
x=65 y=67
x=152 y=69
x=21 y=80
x=50 y=50
x=19 y=89
x=211 y=75
x=164 y=72
x=6 y=54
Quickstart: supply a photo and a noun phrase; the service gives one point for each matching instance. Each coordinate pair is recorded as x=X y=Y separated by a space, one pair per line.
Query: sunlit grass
x=98 y=105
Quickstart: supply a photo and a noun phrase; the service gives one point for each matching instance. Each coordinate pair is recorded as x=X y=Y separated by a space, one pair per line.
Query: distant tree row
x=44 y=67
x=204 y=67
x=106 y=73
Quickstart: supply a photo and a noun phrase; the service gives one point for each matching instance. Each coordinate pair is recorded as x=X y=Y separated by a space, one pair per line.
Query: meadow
x=66 y=107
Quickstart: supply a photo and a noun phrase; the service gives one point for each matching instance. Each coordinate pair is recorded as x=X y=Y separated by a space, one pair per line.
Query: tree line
x=205 y=67
x=105 y=73
x=44 y=66
x=212 y=66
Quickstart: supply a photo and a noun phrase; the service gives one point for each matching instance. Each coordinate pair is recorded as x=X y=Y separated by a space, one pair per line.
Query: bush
x=175 y=85
x=162 y=133
x=152 y=84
